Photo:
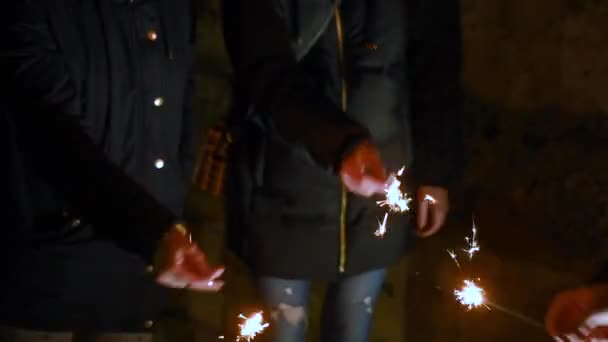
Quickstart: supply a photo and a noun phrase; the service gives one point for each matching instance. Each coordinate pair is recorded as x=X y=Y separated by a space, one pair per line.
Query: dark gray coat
x=400 y=78
x=97 y=130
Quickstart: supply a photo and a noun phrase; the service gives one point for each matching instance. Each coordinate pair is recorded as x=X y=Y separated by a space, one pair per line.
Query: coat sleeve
x=270 y=78
x=48 y=109
x=191 y=120
x=434 y=59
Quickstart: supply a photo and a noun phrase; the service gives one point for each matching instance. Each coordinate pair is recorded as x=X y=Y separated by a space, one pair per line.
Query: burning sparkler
x=252 y=326
x=470 y=295
x=396 y=201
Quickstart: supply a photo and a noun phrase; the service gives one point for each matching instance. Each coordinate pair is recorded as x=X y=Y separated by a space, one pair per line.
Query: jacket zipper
x=344 y=106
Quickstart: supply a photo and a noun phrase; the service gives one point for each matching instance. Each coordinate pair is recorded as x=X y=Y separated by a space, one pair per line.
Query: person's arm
x=32 y=67
x=434 y=59
x=268 y=74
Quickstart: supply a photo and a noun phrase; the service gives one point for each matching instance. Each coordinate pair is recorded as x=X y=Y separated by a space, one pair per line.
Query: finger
x=422 y=215
x=178 y=275
x=436 y=216
x=207 y=286
x=573 y=338
x=171 y=280
x=218 y=273
x=370 y=186
x=554 y=315
x=351 y=184
x=599 y=332
x=596 y=320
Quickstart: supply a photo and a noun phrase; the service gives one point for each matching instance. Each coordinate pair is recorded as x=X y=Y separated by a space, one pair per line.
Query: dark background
x=536 y=180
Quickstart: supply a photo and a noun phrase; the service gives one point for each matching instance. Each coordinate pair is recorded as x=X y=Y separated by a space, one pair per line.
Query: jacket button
x=148 y=324
x=152 y=35
x=149 y=269
x=159 y=102
x=159 y=163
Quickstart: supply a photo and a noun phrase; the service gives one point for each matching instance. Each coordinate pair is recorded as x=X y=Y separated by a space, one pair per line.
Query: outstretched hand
x=185 y=266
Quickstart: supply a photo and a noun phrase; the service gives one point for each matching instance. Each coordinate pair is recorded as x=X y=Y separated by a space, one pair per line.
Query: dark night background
x=536 y=179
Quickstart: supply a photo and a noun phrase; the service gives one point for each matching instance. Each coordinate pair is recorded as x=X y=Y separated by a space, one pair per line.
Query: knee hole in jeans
x=294 y=315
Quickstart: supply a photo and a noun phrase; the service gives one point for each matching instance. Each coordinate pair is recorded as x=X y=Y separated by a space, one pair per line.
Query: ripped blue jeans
x=347 y=309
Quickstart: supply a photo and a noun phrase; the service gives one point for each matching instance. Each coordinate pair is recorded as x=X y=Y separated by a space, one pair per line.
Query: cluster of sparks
x=471 y=295
x=252 y=326
x=396 y=201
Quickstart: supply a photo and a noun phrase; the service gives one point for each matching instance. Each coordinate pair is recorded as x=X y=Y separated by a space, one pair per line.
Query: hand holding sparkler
x=579 y=314
x=432 y=210
x=362 y=171
x=184 y=265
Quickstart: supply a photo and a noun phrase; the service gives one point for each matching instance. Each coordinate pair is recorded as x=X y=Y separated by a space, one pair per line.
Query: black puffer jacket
x=97 y=127
x=312 y=80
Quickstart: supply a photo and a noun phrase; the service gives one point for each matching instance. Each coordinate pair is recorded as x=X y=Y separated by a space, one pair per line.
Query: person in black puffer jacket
x=329 y=98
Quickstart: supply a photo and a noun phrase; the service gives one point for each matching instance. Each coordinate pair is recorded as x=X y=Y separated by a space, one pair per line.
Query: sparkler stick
x=523 y=318
x=454 y=257
x=475 y=295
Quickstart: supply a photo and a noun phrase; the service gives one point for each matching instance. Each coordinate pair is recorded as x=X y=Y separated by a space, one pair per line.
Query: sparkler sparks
x=470 y=295
x=472 y=242
x=382 y=227
x=396 y=201
x=252 y=326
x=454 y=257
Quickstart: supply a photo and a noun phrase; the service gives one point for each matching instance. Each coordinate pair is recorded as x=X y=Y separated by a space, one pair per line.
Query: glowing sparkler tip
x=470 y=295
x=252 y=326
x=396 y=201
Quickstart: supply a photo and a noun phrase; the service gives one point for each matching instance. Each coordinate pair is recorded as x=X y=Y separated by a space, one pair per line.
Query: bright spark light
x=396 y=201
x=454 y=257
x=252 y=326
x=470 y=295
x=382 y=227
x=472 y=242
